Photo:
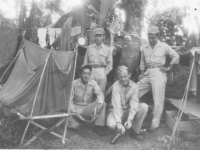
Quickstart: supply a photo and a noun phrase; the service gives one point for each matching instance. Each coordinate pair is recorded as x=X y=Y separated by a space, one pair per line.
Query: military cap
x=153 y=29
x=99 y=31
x=85 y=67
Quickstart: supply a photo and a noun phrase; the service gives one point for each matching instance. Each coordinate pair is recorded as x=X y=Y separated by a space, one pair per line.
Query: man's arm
x=174 y=55
x=133 y=104
x=98 y=92
x=109 y=62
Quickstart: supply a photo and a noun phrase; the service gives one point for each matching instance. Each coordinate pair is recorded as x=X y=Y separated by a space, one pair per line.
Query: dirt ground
x=86 y=138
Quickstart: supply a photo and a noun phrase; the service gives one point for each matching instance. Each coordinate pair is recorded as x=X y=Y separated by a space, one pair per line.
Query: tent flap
x=32 y=68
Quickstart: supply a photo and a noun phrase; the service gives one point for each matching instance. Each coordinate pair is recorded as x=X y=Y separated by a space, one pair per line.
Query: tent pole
x=22 y=140
x=66 y=123
x=183 y=102
x=34 y=101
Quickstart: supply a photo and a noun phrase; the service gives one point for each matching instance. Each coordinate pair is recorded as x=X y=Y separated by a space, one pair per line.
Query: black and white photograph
x=100 y=74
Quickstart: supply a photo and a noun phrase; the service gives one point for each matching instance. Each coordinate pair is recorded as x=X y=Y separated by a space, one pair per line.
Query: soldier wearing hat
x=153 y=73
x=82 y=94
x=99 y=57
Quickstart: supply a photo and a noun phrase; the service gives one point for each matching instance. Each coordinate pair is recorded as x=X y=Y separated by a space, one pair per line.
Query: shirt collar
x=159 y=44
x=81 y=84
x=102 y=45
x=129 y=85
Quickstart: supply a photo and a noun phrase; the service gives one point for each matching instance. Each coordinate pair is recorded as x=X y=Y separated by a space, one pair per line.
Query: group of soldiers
x=125 y=111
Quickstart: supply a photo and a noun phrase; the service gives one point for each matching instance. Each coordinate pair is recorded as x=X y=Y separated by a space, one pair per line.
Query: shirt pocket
x=147 y=56
x=102 y=58
x=91 y=58
x=158 y=56
x=88 y=94
x=78 y=95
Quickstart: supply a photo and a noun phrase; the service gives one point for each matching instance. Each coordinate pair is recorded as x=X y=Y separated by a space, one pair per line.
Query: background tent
x=8 y=48
x=40 y=75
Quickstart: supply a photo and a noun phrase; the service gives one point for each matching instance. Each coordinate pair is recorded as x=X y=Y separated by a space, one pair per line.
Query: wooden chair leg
x=65 y=130
x=22 y=140
x=43 y=131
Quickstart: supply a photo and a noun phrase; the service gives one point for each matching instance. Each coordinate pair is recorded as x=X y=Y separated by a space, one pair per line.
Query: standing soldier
x=153 y=73
x=99 y=57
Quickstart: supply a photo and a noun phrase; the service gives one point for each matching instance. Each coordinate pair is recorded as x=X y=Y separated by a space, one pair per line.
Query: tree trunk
x=134 y=17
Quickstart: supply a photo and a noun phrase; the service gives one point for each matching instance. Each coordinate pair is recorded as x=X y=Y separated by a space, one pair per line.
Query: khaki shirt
x=99 y=55
x=157 y=56
x=124 y=98
x=81 y=96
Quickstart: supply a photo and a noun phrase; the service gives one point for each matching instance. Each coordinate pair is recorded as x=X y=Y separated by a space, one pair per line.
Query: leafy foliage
x=170 y=25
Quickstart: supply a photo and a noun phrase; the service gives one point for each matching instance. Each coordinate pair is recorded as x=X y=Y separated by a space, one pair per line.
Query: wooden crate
x=185 y=123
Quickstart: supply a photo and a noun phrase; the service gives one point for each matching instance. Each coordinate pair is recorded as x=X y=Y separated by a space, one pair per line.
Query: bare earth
x=86 y=138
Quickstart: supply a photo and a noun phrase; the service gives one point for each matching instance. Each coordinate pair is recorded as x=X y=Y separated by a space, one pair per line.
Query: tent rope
x=65 y=129
x=182 y=105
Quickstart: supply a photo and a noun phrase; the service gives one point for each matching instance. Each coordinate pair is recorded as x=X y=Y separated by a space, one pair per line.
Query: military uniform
x=153 y=60
x=81 y=101
x=99 y=57
x=125 y=105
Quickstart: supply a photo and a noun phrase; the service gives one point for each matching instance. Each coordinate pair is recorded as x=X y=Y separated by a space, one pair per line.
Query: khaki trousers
x=88 y=112
x=99 y=75
x=156 y=80
x=137 y=121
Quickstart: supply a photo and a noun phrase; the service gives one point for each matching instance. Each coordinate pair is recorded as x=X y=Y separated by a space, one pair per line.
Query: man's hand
x=128 y=124
x=141 y=76
x=164 y=69
x=120 y=128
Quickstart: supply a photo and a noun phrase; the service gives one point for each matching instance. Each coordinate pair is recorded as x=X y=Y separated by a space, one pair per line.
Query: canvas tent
x=53 y=68
x=8 y=48
x=39 y=85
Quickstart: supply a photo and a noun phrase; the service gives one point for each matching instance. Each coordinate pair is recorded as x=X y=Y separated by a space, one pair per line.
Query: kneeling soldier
x=127 y=112
x=82 y=92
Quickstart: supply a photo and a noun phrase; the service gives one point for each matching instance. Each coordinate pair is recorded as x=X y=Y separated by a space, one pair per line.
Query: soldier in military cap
x=99 y=57
x=153 y=73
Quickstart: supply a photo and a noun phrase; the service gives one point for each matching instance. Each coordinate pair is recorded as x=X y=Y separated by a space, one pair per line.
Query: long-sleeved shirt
x=99 y=55
x=124 y=98
x=157 y=56
x=82 y=95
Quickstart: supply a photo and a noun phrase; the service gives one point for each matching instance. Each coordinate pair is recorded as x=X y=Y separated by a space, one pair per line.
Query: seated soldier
x=82 y=93
x=126 y=111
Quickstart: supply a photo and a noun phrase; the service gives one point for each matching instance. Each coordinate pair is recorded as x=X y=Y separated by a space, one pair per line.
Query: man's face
x=124 y=77
x=153 y=39
x=99 y=38
x=85 y=75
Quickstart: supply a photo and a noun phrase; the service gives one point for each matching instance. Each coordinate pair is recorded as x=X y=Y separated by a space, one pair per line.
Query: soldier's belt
x=97 y=66
x=153 y=66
